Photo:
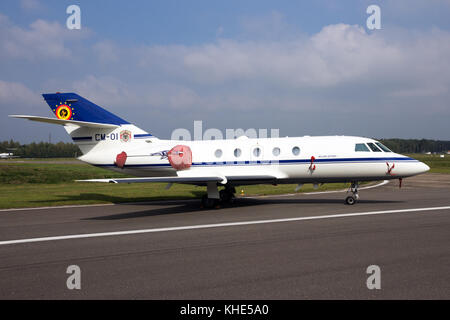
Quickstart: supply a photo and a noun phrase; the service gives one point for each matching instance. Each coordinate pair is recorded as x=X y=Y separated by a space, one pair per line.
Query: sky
x=303 y=67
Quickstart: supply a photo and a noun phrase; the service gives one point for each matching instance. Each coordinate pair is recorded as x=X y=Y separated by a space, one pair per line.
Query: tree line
x=416 y=145
x=41 y=149
x=70 y=150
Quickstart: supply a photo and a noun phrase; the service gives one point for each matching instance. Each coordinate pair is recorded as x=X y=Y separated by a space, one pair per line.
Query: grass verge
x=25 y=184
x=31 y=195
x=436 y=163
x=36 y=184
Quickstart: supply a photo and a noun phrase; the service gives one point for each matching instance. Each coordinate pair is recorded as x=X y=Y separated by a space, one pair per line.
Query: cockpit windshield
x=383 y=147
x=361 y=147
x=373 y=147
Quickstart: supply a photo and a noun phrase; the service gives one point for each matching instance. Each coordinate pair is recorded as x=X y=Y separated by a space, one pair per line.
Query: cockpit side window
x=373 y=147
x=383 y=147
x=361 y=147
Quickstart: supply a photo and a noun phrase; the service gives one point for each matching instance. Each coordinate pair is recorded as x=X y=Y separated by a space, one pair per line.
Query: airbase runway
x=303 y=246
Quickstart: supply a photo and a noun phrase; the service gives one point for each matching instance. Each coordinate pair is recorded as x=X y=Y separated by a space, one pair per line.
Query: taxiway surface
x=277 y=247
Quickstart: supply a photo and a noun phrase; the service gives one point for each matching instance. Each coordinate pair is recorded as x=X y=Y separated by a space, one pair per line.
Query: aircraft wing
x=187 y=180
x=67 y=122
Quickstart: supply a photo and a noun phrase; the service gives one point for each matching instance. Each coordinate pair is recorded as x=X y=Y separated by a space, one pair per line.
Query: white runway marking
x=218 y=225
x=156 y=202
x=171 y=201
x=345 y=190
x=59 y=207
x=317 y=192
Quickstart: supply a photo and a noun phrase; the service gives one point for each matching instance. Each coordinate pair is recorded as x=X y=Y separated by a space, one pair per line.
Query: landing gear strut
x=214 y=198
x=351 y=200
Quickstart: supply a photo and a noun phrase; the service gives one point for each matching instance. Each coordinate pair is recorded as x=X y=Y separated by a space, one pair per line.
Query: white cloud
x=341 y=70
x=16 y=92
x=339 y=55
x=104 y=90
x=106 y=51
x=342 y=67
x=42 y=40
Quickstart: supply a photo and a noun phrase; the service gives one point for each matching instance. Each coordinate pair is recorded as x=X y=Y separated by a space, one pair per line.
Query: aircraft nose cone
x=422 y=168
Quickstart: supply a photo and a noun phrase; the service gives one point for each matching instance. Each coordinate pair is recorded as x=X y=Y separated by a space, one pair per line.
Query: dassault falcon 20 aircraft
x=108 y=141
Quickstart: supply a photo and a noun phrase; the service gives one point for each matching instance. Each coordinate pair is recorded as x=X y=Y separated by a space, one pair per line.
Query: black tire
x=350 y=200
x=209 y=203
x=204 y=201
x=226 y=196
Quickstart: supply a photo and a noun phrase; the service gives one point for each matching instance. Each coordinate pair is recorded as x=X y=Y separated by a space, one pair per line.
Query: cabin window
x=383 y=147
x=373 y=147
x=237 y=152
x=296 y=151
x=218 y=153
x=276 y=151
x=257 y=152
x=361 y=147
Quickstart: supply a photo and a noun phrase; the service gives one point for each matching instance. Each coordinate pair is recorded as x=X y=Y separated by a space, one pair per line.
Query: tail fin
x=71 y=106
x=90 y=126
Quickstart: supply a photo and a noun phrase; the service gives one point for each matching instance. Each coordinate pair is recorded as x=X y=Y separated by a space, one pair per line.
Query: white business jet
x=7 y=155
x=110 y=142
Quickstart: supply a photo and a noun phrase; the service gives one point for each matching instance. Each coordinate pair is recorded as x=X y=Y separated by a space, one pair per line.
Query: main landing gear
x=214 y=198
x=351 y=200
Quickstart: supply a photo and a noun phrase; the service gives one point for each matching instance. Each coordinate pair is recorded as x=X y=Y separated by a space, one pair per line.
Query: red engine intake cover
x=180 y=157
x=121 y=159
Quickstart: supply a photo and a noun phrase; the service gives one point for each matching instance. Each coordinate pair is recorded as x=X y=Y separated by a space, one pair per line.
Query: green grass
x=34 y=184
x=30 y=195
x=434 y=161
x=39 y=160
x=50 y=173
x=30 y=183
x=38 y=195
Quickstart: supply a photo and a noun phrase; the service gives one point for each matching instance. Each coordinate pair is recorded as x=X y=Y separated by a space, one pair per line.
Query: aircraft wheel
x=226 y=196
x=209 y=203
x=350 y=200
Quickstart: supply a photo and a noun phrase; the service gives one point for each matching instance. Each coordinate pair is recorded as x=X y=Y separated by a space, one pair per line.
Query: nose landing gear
x=351 y=200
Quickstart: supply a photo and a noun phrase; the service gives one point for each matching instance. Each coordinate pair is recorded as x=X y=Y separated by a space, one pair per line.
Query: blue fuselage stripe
x=140 y=136
x=271 y=162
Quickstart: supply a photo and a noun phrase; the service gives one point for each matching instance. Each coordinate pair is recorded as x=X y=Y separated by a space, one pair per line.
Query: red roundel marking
x=121 y=159
x=180 y=157
x=63 y=112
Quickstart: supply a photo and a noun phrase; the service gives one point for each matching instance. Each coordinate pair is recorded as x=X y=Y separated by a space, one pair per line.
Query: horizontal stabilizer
x=67 y=122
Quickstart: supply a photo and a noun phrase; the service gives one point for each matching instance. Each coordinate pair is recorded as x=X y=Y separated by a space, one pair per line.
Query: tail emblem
x=125 y=136
x=63 y=112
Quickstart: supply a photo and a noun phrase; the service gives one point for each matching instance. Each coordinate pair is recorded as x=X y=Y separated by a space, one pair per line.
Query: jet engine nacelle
x=180 y=157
